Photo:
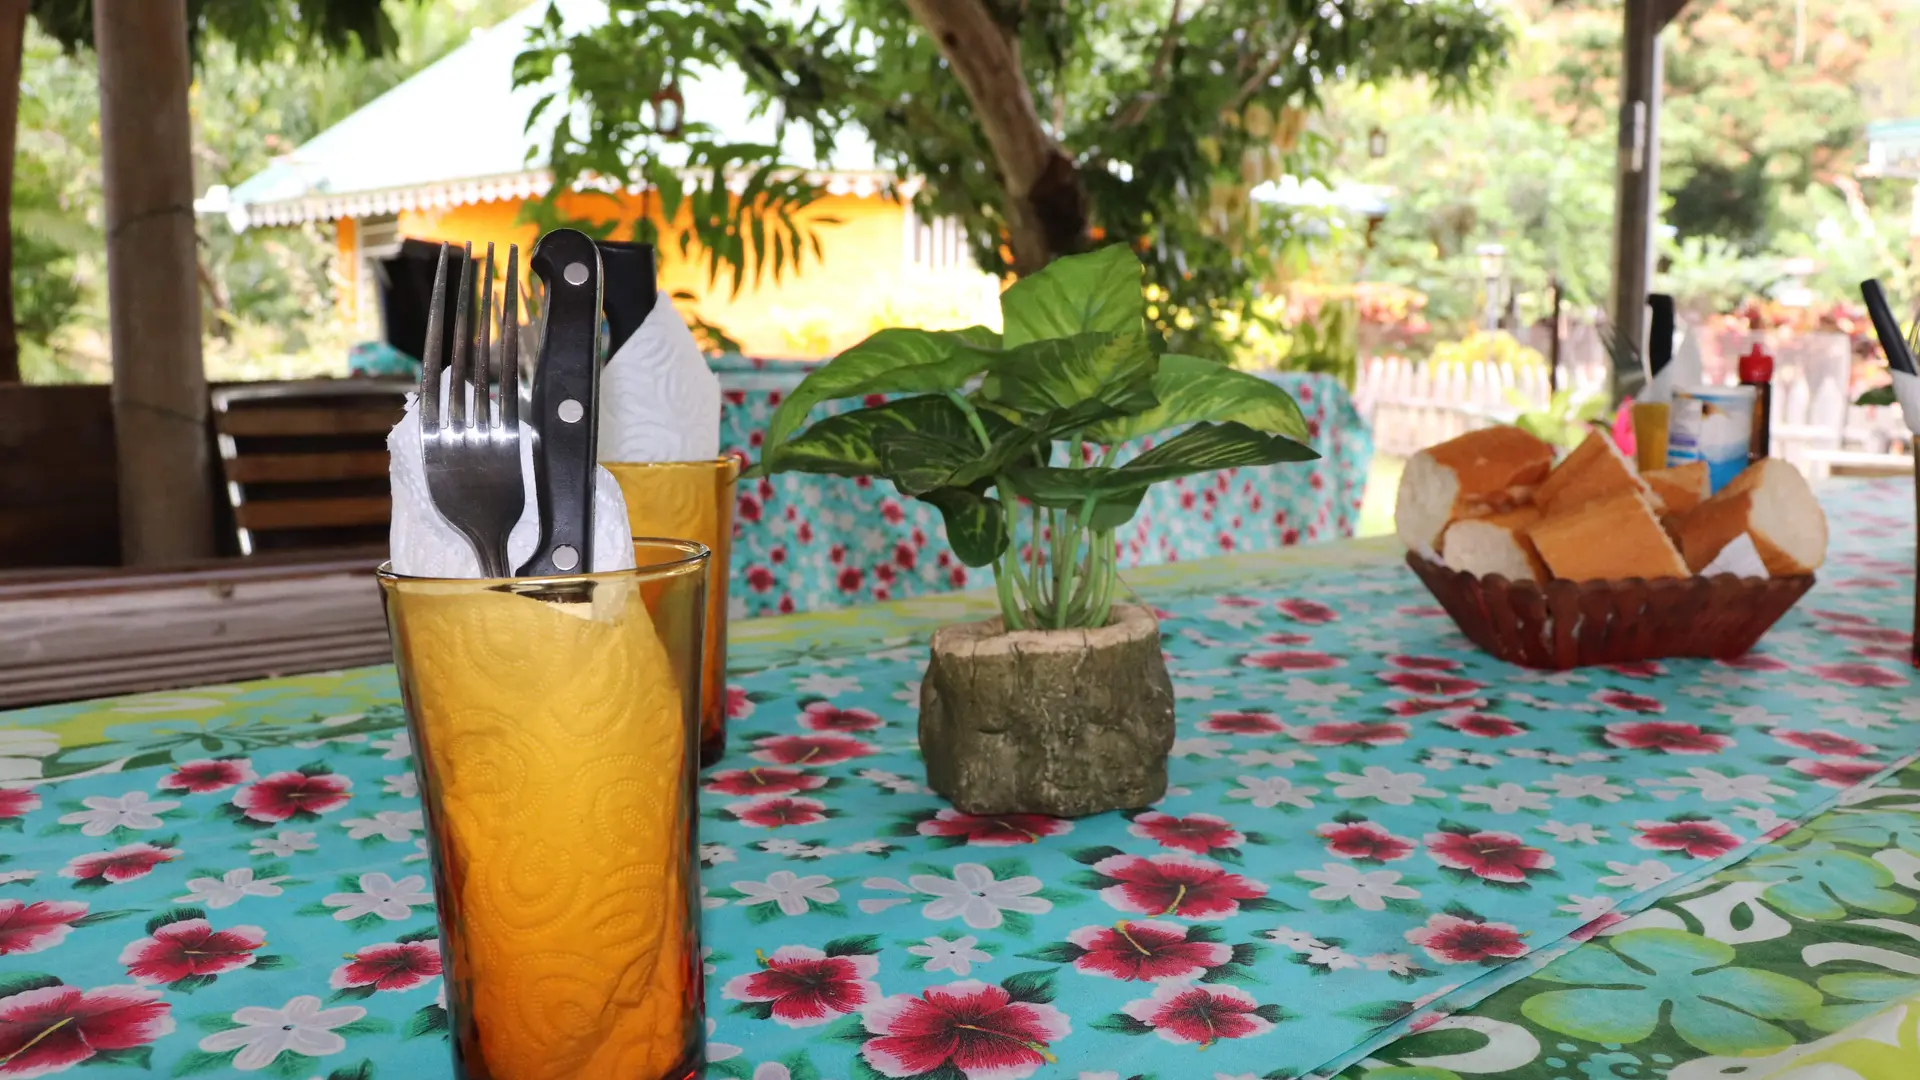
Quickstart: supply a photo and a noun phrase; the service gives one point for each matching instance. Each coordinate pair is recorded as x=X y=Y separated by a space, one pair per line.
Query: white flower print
x=909 y=692
x=1289 y=938
x=8 y=877
x=791 y=892
x=1562 y=679
x=719 y=1051
x=974 y=896
x=1398 y=963
x=21 y=750
x=1588 y=908
x=893 y=782
x=1581 y=832
x=283 y=843
x=1818 y=692
x=826 y=686
x=869 y=847
x=1201 y=748
x=1332 y=957
x=1703 y=690
x=715 y=854
x=1908 y=710
x=1764 y=819
x=1237 y=617
x=1744 y=715
x=1368 y=890
x=420 y=852
x=1638 y=876
x=229 y=888
x=708 y=901
x=1717 y=787
x=1383 y=784
x=302 y=1027
x=1191 y=691
x=957 y=956
x=398 y=748
x=1326 y=714
x=1506 y=798
x=381 y=895
x=1270 y=791
x=104 y=813
x=1583 y=786
x=397 y=826
x=1854 y=717
x=1279 y=759
x=784 y=847
x=406 y=785
x=1306 y=690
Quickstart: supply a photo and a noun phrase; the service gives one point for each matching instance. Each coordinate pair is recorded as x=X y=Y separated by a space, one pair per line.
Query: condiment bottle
x=1756 y=370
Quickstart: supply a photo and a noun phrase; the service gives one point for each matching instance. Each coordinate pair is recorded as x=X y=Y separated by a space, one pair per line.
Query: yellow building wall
x=862 y=281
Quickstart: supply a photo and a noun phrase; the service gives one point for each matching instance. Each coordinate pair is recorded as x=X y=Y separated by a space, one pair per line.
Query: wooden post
x=1637 y=201
x=159 y=387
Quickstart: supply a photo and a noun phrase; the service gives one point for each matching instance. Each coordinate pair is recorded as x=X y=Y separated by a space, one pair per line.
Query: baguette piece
x=1680 y=488
x=1496 y=544
x=1596 y=470
x=1613 y=538
x=1769 y=501
x=1479 y=473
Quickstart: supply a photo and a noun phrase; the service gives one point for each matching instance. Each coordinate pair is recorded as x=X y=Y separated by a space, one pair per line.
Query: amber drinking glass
x=693 y=500
x=554 y=724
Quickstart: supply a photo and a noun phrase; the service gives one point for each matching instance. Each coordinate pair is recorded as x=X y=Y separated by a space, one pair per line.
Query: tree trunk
x=159 y=387
x=1046 y=205
x=13 y=33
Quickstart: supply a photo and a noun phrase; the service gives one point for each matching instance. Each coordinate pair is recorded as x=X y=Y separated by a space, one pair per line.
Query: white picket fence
x=1412 y=405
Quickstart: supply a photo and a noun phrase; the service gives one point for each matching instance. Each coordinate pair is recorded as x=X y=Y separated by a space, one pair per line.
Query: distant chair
x=306 y=462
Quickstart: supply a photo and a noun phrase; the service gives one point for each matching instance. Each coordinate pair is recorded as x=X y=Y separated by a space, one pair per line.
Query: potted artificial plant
x=1061 y=705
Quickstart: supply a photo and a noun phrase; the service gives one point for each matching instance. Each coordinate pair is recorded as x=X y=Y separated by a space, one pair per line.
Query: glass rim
x=692 y=554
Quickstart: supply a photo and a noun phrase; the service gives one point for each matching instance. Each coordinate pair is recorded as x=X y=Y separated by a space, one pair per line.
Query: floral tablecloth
x=808 y=543
x=1370 y=826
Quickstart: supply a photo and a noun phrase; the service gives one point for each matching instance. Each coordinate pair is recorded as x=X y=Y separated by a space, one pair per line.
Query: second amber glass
x=692 y=500
x=554 y=730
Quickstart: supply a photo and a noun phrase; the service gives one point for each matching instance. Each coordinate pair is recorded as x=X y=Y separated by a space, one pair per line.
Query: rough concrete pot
x=1060 y=722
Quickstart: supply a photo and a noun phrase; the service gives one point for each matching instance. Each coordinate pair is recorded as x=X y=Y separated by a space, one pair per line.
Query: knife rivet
x=576 y=273
x=565 y=557
x=571 y=411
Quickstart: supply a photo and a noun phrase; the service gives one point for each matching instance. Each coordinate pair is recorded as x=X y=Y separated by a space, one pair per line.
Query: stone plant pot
x=1058 y=722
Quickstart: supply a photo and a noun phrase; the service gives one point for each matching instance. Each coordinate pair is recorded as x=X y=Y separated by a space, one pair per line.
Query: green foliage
x=1566 y=421
x=977 y=437
x=1327 y=342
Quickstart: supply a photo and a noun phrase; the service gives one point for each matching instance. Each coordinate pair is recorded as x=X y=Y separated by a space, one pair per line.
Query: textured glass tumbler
x=692 y=500
x=554 y=729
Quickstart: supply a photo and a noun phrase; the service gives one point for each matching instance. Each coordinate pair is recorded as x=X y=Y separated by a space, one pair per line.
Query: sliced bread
x=1773 y=503
x=1608 y=539
x=1595 y=471
x=1680 y=488
x=1482 y=472
x=1496 y=544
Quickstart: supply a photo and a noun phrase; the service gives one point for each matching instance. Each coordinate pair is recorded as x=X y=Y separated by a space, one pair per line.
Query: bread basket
x=1568 y=624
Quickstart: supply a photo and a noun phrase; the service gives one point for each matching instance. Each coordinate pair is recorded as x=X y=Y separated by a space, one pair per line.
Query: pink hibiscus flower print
x=1418 y=706
x=1665 y=736
x=1431 y=684
x=121 y=864
x=1311 y=612
x=1700 y=839
x=763 y=781
x=1639 y=669
x=394 y=965
x=1484 y=726
x=191 y=948
x=1242 y=602
x=1287 y=638
x=1451 y=939
x=1202 y=1015
x=1755 y=662
x=739 y=705
x=1198 y=833
x=993 y=830
x=36 y=927
x=1182 y=885
x=57 y=1027
x=1627 y=701
x=293 y=795
x=1490 y=856
x=1145 y=950
x=1838 y=774
x=1364 y=841
x=208 y=774
x=16 y=802
x=1383 y=733
x=1242 y=723
x=799 y=986
x=1291 y=660
x=1424 y=663
x=777 y=811
x=1865 y=675
x=1823 y=743
x=969 y=1027
x=825 y=716
x=824 y=749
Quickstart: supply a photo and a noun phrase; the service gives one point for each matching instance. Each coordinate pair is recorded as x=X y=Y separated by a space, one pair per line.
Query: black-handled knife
x=566 y=414
x=1887 y=328
x=630 y=290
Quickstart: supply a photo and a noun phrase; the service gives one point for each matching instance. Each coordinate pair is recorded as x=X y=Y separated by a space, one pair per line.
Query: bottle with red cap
x=1756 y=370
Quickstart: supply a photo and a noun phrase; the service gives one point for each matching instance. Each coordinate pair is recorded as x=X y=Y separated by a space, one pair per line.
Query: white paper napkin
x=659 y=401
x=423 y=544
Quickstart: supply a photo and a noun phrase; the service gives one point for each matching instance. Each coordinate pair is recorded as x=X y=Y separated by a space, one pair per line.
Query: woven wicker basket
x=1566 y=624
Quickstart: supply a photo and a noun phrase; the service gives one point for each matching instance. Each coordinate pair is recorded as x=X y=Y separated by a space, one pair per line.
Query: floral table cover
x=808 y=543
x=1370 y=826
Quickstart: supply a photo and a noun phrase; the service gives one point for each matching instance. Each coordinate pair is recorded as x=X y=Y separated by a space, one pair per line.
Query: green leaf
x=1121 y=1024
x=1879 y=395
x=431 y=1020
x=893 y=361
x=858 y=945
x=362 y=1071
x=1096 y=292
x=139 y=1057
x=20 y=982
x=974 y=524
x=1191 y=390
x=849 y=444
x=1058 y=374
x=174 y=915
x=1201 y=448
x=1029 y=986
x=199 y=1061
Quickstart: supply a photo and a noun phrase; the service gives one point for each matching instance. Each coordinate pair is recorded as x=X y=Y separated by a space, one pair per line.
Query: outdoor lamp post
x=1493 y=271
x=1376 y=144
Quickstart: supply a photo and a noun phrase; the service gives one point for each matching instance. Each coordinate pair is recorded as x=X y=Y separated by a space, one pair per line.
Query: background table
x=808 y=543
x=1317 y=686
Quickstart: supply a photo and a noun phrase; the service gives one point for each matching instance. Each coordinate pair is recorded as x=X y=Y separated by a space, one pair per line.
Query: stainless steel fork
x=472 y=464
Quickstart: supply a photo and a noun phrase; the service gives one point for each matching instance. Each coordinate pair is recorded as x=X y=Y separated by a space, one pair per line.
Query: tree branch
x=1137 y=110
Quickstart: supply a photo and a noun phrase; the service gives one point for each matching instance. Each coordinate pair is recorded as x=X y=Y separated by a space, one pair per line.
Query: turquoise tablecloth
x=808 y=543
